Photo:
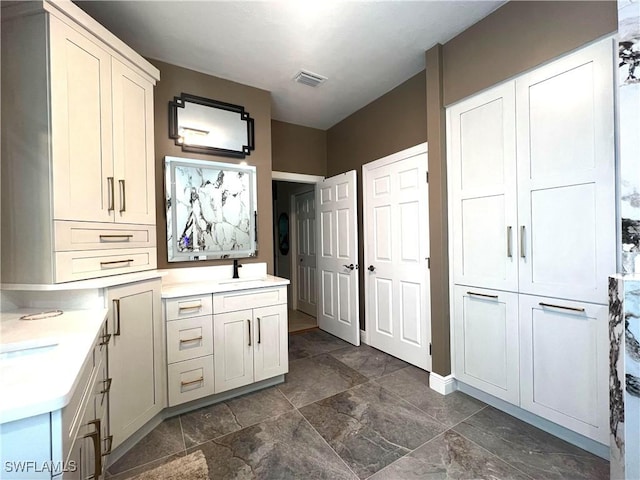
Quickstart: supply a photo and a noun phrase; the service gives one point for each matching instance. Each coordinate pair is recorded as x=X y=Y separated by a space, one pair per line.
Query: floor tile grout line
x=128 y=470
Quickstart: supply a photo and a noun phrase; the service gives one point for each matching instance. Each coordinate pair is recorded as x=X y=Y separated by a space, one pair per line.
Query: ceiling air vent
x=309 y=78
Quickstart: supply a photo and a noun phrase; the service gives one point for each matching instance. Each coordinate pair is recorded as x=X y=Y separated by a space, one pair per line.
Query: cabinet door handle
x=113 y=262
x=116 y=313
x=199 y=380
x=107 y=385
x=107 y=451
x=249 y=322
x=259 y=329
x=97 y=448
x=509 y=240
x=105 y=339
x=194 y=339
x=123 y=198
x=522 y=252
x=110 y=237
x=111 y=194
x=573 y=309
x=482 y=295
x=191 y=306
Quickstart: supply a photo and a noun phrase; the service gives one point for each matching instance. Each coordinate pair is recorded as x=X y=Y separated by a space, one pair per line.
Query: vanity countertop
x=201 y=287
x=40 y=360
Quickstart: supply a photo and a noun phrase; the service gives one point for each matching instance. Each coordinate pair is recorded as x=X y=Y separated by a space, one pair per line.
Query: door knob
x=301 y=260
x=371 y=268
x=350 y=267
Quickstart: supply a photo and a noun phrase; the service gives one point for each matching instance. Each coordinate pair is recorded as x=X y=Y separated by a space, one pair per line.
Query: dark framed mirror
x=203 y=125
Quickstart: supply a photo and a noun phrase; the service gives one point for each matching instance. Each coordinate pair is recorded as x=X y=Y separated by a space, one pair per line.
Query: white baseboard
x=442 y=385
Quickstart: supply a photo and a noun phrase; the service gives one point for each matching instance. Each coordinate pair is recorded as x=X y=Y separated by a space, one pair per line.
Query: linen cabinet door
x=270 y=353
x=81 y=136
x=564 y=363
x=566 y=176
x=135 y=359
x=133 y=146
x=233 y=342
x=482 y=189
x=486 y=341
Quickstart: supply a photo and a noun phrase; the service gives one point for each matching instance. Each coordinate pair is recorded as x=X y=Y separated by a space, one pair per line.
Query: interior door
x=306 y=288
x=396 y=220
x=337 y=262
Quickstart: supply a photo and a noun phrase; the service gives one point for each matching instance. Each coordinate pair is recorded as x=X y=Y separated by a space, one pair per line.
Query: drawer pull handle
x=191 y=306
x=105 y=339
x=573 y=309
x=249 y=322
x=482 y=295
x=123 y=236
x=97 y=448
x=194 y=339
x=107 y=451
x=113 y=262
x=116 y=313
x=259 y=329
x=199 y=380
x=107 y=385
x=111 y=194
x=123 y=198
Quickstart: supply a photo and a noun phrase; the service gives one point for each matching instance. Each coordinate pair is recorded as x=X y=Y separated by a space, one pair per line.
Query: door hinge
x=427 y=176
x=429 y=349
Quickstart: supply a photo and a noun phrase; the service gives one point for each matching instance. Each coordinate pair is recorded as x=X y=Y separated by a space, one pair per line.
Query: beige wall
x=176 y=80
x=298 y=149
x=393 y=122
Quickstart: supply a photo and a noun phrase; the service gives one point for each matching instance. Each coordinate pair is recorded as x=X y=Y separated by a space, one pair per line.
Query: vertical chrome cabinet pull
x=509 y=241
x=108 y=450
x=116 y=313
x=97 y=447
x=249 y=322
x=111 y=194
x=123 y=198
x=522 y=252
x=259 y=329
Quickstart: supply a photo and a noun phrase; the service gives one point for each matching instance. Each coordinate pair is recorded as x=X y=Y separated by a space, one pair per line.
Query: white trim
x=396 y=157
x=295 y=177
x=442 y=385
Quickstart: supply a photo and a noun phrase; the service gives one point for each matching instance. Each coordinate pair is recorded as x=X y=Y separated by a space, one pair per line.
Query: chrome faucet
x=236 y=266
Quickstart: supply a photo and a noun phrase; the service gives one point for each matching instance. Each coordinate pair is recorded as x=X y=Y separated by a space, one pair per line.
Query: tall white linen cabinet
x=531 y=165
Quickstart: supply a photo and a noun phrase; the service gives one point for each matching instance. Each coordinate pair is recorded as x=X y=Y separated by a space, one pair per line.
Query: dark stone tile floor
x=349 y=412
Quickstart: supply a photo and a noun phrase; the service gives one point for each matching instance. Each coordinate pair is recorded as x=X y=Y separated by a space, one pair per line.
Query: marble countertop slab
x=184 y=289
x=40 y=360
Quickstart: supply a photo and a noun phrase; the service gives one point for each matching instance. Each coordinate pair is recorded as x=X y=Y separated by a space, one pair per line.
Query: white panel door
x=566 y=176
x=306 y=288
x=482 y=183
x=270 y=352
x=233 y=349
x=337 y=261
x=133 y=146
x=564 y=359
x=485 y=326
x=396 y=220
x=81 y=135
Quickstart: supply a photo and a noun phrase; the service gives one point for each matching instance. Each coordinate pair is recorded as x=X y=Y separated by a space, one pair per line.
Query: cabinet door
x=486 y=341
x=482 y=189
x=270 y=340
x=135 y=362
x=233 y=349
x=80 y=126
x=133 y=146
x=566 y=176
x=564 y=363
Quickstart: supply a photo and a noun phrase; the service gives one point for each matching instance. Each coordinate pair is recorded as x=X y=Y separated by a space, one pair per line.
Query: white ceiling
x=365 y=48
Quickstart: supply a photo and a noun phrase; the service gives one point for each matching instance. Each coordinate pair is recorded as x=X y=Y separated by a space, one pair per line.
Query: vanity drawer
x=190 y=380
x=245 y=299
x=81 y=265
x=189 y=338
x=71 y=236
x=186 y=307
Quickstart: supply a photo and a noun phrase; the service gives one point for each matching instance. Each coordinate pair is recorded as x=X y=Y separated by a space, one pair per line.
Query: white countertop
x=102 y=282
x=200 y=287
x=41 y=380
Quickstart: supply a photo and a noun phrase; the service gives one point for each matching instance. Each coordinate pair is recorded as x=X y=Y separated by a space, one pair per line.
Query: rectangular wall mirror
x=211 y=210
x=203 y=125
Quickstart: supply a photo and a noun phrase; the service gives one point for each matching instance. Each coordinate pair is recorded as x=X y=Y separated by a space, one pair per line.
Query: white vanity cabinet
x=77 y=156
x=223 y=340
